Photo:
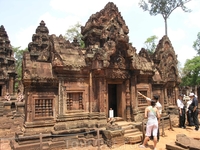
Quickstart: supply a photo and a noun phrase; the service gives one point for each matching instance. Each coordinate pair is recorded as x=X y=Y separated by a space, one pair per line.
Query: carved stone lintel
x=117 y=74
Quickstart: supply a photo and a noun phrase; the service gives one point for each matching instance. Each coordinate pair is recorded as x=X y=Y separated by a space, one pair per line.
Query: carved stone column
x=11 y=85
x=166 y=97
x=3 y=90
x=134 y=102
x=105 y=97
x=29 y=108
x=128 y=101
x=91 y=92
x=60 y=97
x=101 y=95
x=176 y=95
x=162 y=101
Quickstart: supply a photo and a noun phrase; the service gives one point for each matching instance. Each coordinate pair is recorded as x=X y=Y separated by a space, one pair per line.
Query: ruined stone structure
x=7 y=64
x=69 y=89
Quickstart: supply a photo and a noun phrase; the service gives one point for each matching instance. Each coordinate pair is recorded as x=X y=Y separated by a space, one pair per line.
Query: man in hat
x=181 y=108
x=194 y=108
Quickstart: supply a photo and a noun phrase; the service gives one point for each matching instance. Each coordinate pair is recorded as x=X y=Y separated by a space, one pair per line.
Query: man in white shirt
x=158 y=104
x=181 y=109
x=189 y=113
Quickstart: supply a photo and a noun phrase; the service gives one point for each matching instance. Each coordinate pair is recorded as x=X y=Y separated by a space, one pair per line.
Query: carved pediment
x=102 y=27
x=40 y=46
x=164 y=49
x=142 y=62
x=66 y=54
x=118 y=61
x=166 y=60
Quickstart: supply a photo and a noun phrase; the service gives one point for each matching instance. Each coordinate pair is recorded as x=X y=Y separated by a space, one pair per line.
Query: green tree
x=18 y=54
x=163 y=7
x=74 y=32
x=196 y=44
x=150 y=44
x=191 y=72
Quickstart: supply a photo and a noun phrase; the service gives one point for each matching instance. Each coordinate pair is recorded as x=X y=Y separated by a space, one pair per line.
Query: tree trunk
x=165 y=26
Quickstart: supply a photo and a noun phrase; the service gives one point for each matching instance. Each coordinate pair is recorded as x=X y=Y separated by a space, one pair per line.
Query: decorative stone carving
x=117 y=74
x=128 y=101
x=40 y=46
x=166 y=60
x=7 y=63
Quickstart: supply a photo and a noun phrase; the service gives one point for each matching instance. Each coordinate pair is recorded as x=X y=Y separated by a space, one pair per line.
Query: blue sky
x=21 y=18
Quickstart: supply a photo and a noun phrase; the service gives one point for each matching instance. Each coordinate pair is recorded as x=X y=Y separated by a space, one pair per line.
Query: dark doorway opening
x=112 y=98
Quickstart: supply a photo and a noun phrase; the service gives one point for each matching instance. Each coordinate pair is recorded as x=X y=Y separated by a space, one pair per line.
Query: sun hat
x=191 y=94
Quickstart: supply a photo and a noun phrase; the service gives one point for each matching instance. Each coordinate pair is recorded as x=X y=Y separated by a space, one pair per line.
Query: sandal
x=142 y=146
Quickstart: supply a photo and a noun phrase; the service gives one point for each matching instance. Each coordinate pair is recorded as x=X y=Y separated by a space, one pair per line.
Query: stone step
x=122 y=123
x=132 y=139
x=131 y=130
x=127 y=127
x=132 y=134
x=118 y=119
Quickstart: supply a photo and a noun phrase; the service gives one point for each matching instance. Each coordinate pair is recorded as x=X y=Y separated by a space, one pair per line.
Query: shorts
x=152 y=130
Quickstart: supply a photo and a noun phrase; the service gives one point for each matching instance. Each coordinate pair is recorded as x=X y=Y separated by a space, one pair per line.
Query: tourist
x=158 y=104
x=7 y=97
x=181 y=108
x=159 y=107
x=189 y=113
x=153 y=118
x=194 y=110
x=20 y=97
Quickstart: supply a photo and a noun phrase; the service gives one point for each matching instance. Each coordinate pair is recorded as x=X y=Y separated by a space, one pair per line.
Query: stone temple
x=7 y=63
x=70 y=90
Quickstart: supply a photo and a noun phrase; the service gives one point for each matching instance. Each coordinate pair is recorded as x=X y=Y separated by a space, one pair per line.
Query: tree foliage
x=191 y=72
x=196 y=44
x=150 y=44
x=163 y=7
x=75 y=32
x=18 y=54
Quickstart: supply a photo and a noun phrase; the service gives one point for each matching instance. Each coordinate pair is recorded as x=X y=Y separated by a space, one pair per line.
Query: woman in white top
x=153 y=116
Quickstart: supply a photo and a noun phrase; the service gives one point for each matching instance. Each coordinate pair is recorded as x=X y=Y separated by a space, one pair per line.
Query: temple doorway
x=114 y=99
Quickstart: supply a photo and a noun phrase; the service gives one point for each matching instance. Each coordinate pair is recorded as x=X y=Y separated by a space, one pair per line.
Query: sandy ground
x=170 y=136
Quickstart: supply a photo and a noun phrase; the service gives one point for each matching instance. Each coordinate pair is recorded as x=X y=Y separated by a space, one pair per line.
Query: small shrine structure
x=69 y=89
x=7 y=65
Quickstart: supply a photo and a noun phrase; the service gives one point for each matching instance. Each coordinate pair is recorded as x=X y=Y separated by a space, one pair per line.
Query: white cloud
x=185 y=52
x=192 y=20
x=75 y=10
x=174 y=35
x=58 y=25
x=55 y=25
x=193 y=4
x=82 y=8
x=24 y=37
